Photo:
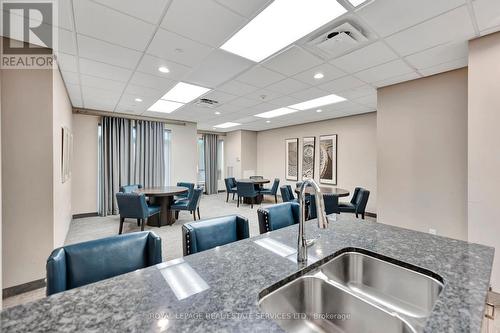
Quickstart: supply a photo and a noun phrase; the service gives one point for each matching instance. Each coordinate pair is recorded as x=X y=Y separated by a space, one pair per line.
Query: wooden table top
x=255 y=181
x=327 y=190
x=163 y=191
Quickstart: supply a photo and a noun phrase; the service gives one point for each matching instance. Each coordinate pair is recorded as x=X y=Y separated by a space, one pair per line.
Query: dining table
x=339 y=192
x=164 y=197
x=258 y=183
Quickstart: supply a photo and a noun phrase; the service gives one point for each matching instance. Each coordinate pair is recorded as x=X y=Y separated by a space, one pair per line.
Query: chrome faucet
x=302 y=243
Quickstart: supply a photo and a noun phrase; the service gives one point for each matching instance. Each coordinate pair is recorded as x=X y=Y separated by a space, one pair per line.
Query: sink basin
x=319 y=306
x=356 y=291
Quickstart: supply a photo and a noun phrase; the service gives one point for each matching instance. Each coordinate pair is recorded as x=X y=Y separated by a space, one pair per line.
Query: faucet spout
x=321 y=217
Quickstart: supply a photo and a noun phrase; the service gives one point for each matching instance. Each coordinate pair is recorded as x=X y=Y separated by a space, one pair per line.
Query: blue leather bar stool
x=186 y=195
x=207 y=234
x=134 y=206
x=192 y=205
x=287 y=194
x=130 y=188
x=278 y=216
x=331 y=205
x=230 y=187
x=273 y=190
x=246 y=190
x=357 y=204
x=79 y=264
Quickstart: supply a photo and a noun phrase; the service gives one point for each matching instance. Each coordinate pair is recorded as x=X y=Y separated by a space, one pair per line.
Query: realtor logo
x=29 y=27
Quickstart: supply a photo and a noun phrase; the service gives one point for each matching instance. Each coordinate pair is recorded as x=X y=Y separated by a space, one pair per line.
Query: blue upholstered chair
x=230 y=187
x=79 y=264
x=273 y=190
x=204 y=235
x=357 y=204
x=287 y=194
x=331 y=205
x=192 y=205
x=186 y=195
x=130 y=188
x=246 y=190
x=278 y=216
x=134 y=206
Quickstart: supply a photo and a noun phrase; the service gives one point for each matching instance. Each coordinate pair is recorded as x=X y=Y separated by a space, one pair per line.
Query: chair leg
x=138 y=222
x=363 y=216
x=198 y=209
x=276 y=198
x=194 y=215
x=356 y=215
x=159 y=220
x=176 y=214
x=238 y=201
x=227 y=197
x=122 y=219
x=233 y=196
x=142 y=224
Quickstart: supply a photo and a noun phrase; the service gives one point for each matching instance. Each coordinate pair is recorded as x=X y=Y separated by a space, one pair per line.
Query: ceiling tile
x=237 y=88
x=369 y=101
x=284 y=101
x=308 y=94
x=150 y=11
x=67 y=62
x=101 y=22
x=151 y=81
x=396 y=79
x=104 y=52
x=67 y=42
x=260 y=77
x=95 y=82
x=288 y=86
x=141 y=92
x=70 y=78
x=128 y=103
x=244 y=7
x=220 y=96
x=455 y=64
x=202 y=20
x=263 y=95
x=65 y=15
x=103 y=70
x=389 y=16
x=330 y=73
x=292 y=61
x=342 y=84
x=385 y=71
x=450 y=27
x=168 y=45
x=150 y=65
x=99 y=99
x=487 y=13
x=439 y=54
x=366 y=57
x=217 y=68
x=74 y=93
x=244 y=102
x=358 y=92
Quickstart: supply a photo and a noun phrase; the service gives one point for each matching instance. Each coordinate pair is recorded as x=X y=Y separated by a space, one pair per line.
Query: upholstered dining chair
x=207 y=234
x=287 y=194
x=357 y=204
x=246 y=190
x=273 y=190
x=230 y=187
x=331 y=205
x=134 y=206
x=130 y=188
x=192 y=205
x=278 y=216
x=79 y=264
x=186 y=195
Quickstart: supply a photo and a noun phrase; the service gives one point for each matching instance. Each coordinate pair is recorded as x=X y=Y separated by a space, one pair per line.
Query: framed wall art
x=292 y=159
x=328 y=159
x=308 y=156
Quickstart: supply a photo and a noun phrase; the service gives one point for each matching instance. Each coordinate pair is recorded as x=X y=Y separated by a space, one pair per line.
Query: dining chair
x=278 y=216
x=246 y=190
x=134 y=206
x=192 y=205
x=130 y=188
x=331 y=205
x=186 y=195
x=207 y=234
x=76 y=265
x=230 y=187
x=358 y=203
x=287 y=194
x=273 y=190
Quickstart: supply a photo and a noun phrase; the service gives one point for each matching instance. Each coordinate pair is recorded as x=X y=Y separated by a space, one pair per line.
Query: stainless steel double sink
x=356 y=291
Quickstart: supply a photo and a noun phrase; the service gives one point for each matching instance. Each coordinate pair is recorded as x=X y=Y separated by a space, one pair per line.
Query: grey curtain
x=211 y=174
x=149 y=153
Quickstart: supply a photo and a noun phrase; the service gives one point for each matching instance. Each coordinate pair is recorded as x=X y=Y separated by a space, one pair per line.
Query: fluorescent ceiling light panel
x=227 y=125
x=317 y=102
x=356 y=3
x=184 y=92
x=275 y=113
x=165 y=106
x=280 y=24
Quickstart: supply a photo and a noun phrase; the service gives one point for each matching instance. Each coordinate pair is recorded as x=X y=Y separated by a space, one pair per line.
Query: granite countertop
x=236 y=273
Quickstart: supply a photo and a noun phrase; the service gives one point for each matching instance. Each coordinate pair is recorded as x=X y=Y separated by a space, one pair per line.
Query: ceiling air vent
x=339 y=40
x=207 y=103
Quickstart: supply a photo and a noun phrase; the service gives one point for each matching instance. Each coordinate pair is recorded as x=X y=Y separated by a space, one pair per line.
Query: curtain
x=211 y=179
x=149 y=153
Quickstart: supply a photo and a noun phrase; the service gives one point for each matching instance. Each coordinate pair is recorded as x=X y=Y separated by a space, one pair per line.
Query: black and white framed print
x=292 y=159
x=308 y=155
x=328 y=159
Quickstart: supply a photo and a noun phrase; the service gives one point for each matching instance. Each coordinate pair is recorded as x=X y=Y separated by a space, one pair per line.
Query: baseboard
x=22 y=288
x=84 y=215
x=371 y=214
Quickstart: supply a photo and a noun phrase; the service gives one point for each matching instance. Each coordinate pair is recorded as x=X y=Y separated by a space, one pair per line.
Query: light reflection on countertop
x=182 y=278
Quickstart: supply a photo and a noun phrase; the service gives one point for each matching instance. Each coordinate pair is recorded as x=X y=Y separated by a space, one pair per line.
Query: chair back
x=331 y=205
x=362 y=201
x=132 y=205
x=206 y=234
x=286 y=193
x=355 y=195
x=187 y=194
x=278 y=216
x=130 y=188
x=79 y=264
x=246 y=189
x=229 y=183
x=195 y=199
x=256 y=177
x=275 y=187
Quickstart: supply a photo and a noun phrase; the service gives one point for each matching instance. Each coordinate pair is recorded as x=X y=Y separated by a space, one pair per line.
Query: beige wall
x=232 y=152
x=84 y=177
x=484 y=142
x=0 y=186
x=184 y=157
x=422 y=154
x=356 y=156
x=248 y=153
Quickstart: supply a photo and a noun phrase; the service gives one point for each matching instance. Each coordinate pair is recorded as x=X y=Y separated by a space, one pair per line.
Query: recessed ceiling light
x=319 y=76
x=138 y=99
x=356 y=3
x=319 y=110
x=165 y=106
x=280 y=24
x=164 y=69
x=217 y=112
x=227 y=125
x=184 y=92
x=268 y=121
x=314 y=103
x=275 y=113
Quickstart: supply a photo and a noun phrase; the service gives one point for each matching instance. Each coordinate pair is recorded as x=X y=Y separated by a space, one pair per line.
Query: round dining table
x=339 y=192
x=258 y=182
x=164 y=197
